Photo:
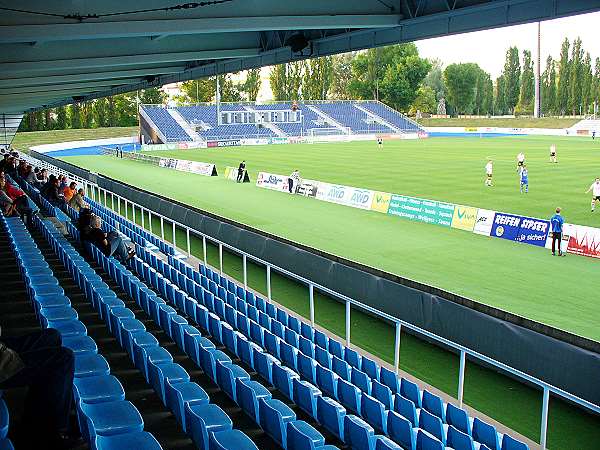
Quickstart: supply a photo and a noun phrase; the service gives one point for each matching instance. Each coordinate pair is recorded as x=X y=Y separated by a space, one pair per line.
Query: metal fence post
x=220 y=258
x=244 y=262
x=397 y=347
x=105 y=202
x=269 y=282
x=133 y=211
x=174 y=242
x=143 y=218
x=348 y=323
x=204 y=249
x=126 y=212
x=189 y=244
x=150 y=220
x=544 y=430
x=461 y=377
x=311 y=298
x=162 y=228
x=112 y=201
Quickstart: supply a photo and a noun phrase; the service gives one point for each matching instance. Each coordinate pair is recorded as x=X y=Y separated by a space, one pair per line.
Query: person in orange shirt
x=70 y=191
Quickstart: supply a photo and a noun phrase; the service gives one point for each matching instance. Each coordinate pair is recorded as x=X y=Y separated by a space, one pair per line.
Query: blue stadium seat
x=510 y=443
x=91 y=365
x=302 y=436
x=411 y=391
x=80 y=344
x=401 y=431
x=323 y=357
x=331 y=415
x=161 y=373
x=307 y=368
x=361 y=380
x=433 y=425
x=390 y=379
x=406 y=408
x=425 y=441
x=274 y=416
x=263 y=364
x=249 y=394
x=327 y=381
x=458 y=418
x=140 y=440
x=341 y=368
x=353 y=358
x=208 y=361
x=181 y=394
x=459 y=440
x=231 y=440
x=305 y=396
x=98 y=389
x=144 y=356
x=485 y=434
x=434 y=405
x=385 y=443
x=358 y=433
x=205 y=419
x=107 y=419
x=320 y=339
x=289 y=355
x=349 y=396
x=227 y=373
x=283 y=380
x=374 y=412
x=382 y=393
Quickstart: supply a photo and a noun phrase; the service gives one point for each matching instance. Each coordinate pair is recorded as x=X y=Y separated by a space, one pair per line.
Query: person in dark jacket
x=40 y=362
x=53 y=193
x=110 y=244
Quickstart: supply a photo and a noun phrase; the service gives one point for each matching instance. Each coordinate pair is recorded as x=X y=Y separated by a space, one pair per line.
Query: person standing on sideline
x=556 y=224
x=553 y=153
x=595 y=188
x=489 y=168
x=379 y=143
x=524 y=179
x=293 y=179
x=593 y=135
x=241 y=169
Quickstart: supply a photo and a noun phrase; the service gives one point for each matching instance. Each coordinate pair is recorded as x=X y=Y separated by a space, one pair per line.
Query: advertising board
x=272 y=181
x=345 y=195
x=307 y=188
x=484 y=222
x=381 y=202
x=583 y=240
x=464 y=217
x=428 y=211
x=520 y=229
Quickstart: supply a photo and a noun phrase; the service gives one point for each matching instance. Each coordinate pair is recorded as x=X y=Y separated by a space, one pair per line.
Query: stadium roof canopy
x=56 y=52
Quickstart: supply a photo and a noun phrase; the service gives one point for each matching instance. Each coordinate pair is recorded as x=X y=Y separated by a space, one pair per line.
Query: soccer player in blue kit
x=524 y=179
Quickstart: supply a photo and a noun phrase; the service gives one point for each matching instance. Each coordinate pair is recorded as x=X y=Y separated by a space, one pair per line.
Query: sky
x=488 y=48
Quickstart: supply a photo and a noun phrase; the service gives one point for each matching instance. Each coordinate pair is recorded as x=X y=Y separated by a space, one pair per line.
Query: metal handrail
x=463 y=351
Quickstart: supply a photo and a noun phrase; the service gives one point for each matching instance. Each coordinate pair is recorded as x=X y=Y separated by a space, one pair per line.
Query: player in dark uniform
x=241 y=169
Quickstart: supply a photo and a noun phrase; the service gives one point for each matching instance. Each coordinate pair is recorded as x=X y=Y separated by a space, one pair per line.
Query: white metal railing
x=99 y=193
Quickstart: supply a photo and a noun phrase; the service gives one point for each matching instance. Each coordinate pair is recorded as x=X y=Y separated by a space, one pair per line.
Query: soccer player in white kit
x=595 y=188
x=520 y=161
x=489 y=169
x=553 y=153
x=379 y=143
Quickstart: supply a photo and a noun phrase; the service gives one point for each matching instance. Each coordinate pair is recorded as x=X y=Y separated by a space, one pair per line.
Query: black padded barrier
x=564 y=360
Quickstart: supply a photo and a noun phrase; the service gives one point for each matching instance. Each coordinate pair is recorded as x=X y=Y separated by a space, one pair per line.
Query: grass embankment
x=517 y=122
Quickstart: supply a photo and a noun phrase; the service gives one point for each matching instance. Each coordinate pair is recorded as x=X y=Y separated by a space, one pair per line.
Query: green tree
x=548 y=86
x=126 y=110
x=588 y=84
x=342 y=75
x=460 y=80
x=512 y=78
x=318 y=78
x=402 y=80
x=484 y=93
x=576 y=78
x=279 y=82
x=87 y=115
x=596 y=84
x=75 y=115
x=111 y=113
x=527 y=92
x=100 y=112
x=153 y=96
x=251 y=85
x=499 y=97
x=61 y=118
x=425 y=101
x=435 y=79
x=562 y=95
x=198 y=91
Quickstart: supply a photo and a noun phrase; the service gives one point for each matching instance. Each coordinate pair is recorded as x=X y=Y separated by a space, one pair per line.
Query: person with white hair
x=110 y=244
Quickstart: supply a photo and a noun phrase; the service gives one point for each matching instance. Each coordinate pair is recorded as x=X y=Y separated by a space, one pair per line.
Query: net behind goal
x=316 y=135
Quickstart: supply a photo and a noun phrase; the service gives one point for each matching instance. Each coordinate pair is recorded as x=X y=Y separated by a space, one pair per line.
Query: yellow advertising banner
x=464 y=217
x=381 y=202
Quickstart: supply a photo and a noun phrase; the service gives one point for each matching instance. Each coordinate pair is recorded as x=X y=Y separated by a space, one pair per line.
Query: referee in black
x=241 y=169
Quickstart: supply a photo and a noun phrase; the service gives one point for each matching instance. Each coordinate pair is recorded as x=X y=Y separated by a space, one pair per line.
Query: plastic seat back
x=358 y=433
x=434 y=405
x=426 y=441
x=382 y=393
x=510 y=443
x=341 y=368
x=390 y=379
x=349 y=396
x=411 y=391
x=283 y=380
x=486 y=434
x=432 y=424
x=401 y=430
x=327 y=381
x=302 y=436
x=331 y=415
x=305 y=396
x=459 y=440
x=274 y=416
x=458 y=418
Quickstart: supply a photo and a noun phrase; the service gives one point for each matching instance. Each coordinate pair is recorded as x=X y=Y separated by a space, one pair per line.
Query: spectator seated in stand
x=40 y=362
x=62 y=183
x=31 y=177
x=42 y=178
x=6 y=203
x=70 y=191
x=18 y=198
x=77 y=202
x=52 y=192
x=110 y=244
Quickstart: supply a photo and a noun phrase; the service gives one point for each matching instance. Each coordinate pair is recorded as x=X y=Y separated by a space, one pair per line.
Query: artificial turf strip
x=522 y=279
x=519 y=407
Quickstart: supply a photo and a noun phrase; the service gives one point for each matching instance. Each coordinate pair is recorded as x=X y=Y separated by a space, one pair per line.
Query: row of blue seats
x=113 y=219
x=277 y=419
x=106 y=420
x=400 y=395
x=46 y=207
x=208 y=425
x=225 y=327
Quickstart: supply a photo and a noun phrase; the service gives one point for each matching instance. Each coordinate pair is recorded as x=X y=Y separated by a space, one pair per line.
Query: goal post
x=333 y=134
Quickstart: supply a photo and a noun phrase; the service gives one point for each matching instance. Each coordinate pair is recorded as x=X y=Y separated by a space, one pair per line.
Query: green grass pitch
x=519 y=278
